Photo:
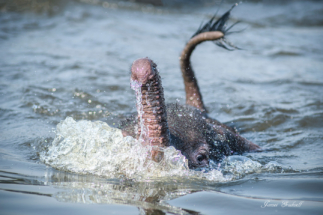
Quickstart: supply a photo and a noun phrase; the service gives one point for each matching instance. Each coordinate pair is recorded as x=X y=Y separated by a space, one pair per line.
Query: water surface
x=72 y=59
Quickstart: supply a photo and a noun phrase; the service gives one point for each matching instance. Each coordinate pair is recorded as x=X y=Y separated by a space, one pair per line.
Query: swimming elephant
x=186 y=127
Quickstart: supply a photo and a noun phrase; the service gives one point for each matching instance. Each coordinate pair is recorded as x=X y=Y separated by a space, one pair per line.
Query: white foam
x=96 y=148
x=238 y=166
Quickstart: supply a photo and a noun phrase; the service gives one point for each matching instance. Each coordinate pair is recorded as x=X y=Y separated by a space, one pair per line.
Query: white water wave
x=86 y=147
x=96 y=148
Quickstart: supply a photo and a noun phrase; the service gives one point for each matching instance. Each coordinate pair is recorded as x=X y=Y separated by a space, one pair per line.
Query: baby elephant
x=187 y=128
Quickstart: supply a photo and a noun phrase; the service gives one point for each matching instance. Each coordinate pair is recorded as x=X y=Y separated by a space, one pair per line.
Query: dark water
x=60 y=59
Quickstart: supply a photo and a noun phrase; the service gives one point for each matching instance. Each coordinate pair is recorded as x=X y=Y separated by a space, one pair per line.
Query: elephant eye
x=200 y=158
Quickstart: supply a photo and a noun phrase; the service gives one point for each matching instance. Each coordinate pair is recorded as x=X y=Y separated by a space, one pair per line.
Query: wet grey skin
x=198 y=137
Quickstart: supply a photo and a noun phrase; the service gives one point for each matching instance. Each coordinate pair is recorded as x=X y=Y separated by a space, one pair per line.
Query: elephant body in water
x=197 y=138
x=186 y=127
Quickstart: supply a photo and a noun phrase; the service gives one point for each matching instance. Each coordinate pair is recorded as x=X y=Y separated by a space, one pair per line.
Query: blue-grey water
x=62 y=59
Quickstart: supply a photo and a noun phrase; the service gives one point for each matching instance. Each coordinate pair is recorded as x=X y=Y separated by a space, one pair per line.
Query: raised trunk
x=193 y=94
x=152 y=118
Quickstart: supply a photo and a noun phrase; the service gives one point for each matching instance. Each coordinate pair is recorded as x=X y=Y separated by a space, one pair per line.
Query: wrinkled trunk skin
x=152 y=128
x=182 y=126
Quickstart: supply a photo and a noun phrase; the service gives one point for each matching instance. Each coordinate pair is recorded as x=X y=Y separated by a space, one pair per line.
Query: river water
x=64 y=74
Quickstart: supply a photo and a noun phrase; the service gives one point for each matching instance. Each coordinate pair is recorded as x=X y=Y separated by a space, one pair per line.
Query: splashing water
x=237 y=166
x=86 y=147
x=96 y=148
x=136 y=86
